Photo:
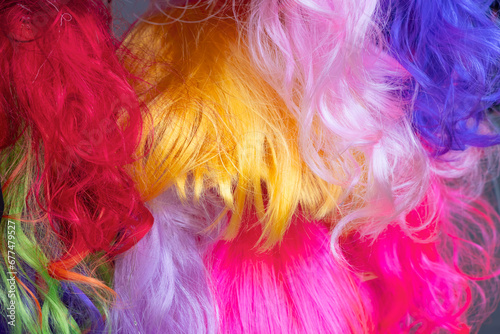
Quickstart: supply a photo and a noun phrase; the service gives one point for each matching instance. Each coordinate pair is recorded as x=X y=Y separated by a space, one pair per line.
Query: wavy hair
x=72 y=114
x=296 y=113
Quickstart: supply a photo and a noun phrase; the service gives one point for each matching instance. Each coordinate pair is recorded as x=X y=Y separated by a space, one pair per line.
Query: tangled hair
x=452 y=51
x=442 y=285
x=394 y=283
x=73 y=123
x=216 y=121
x=57 y=76
x=195 y=72
x=307 y=49
x=42 y=304
x=294 y=113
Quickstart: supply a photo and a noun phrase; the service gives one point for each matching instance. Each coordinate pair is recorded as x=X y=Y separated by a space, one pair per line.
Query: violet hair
x=162 y=284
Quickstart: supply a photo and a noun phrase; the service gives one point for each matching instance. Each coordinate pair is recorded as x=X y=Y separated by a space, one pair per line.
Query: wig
x=296 y=287
x=172 y=293
x=35 y=302
x=73 y=124
x=249 y=155
x=302 y=52
x=452 y=50
x=297 y=118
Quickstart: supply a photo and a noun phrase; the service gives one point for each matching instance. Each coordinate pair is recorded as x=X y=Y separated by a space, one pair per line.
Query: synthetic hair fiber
x=41 y=303
x=395 y=283
x=452 y=51
x=441 y=285
x=219 y=125
x=294 y=113
x=295 y=287
x=73 y=124
x=171 y=294
x=61 y=77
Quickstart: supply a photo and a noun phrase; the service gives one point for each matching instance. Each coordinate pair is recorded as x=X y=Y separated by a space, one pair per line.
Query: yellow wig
x=216 y=125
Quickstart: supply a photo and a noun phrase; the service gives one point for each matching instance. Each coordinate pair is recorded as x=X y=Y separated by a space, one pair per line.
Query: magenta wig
x=296 y=287
x=392 y=284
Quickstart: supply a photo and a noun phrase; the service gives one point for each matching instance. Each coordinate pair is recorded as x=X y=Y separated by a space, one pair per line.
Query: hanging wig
x=292 y=113
x=73 y=124
x=452 y=51
x=253 y=152
x=172 y=292
x=61 y=78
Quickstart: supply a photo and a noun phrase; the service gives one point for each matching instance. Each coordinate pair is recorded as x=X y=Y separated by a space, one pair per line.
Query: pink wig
x=392 y=284
x=296 y=287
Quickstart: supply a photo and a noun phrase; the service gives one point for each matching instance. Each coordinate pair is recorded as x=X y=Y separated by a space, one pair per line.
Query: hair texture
x=73 y=124
x=295 y=287
x=324 y=60
x=452 y=51
x=430 y=287
x=216 y=121
x=200 y=69
x=295 y=112
x=161 y=283
x=391 y=284
x=327 y=60
x=57 y=77
x=42 y=303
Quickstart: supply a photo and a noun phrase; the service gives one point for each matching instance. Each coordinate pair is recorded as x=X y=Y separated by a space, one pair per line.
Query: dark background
x=127 y=11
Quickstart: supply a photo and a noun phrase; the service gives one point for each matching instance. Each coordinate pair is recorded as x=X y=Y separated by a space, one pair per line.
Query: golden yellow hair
x=216 y=125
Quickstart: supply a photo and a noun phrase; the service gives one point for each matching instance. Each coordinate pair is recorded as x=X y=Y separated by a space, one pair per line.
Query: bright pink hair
x=447 y=282
x=442 y=277
x=296 y=287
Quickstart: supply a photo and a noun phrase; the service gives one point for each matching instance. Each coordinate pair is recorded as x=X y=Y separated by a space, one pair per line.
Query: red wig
x=61 y=80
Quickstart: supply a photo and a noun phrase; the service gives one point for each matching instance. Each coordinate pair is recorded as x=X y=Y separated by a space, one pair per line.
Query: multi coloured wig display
x=310 y=166
x=71 y=125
